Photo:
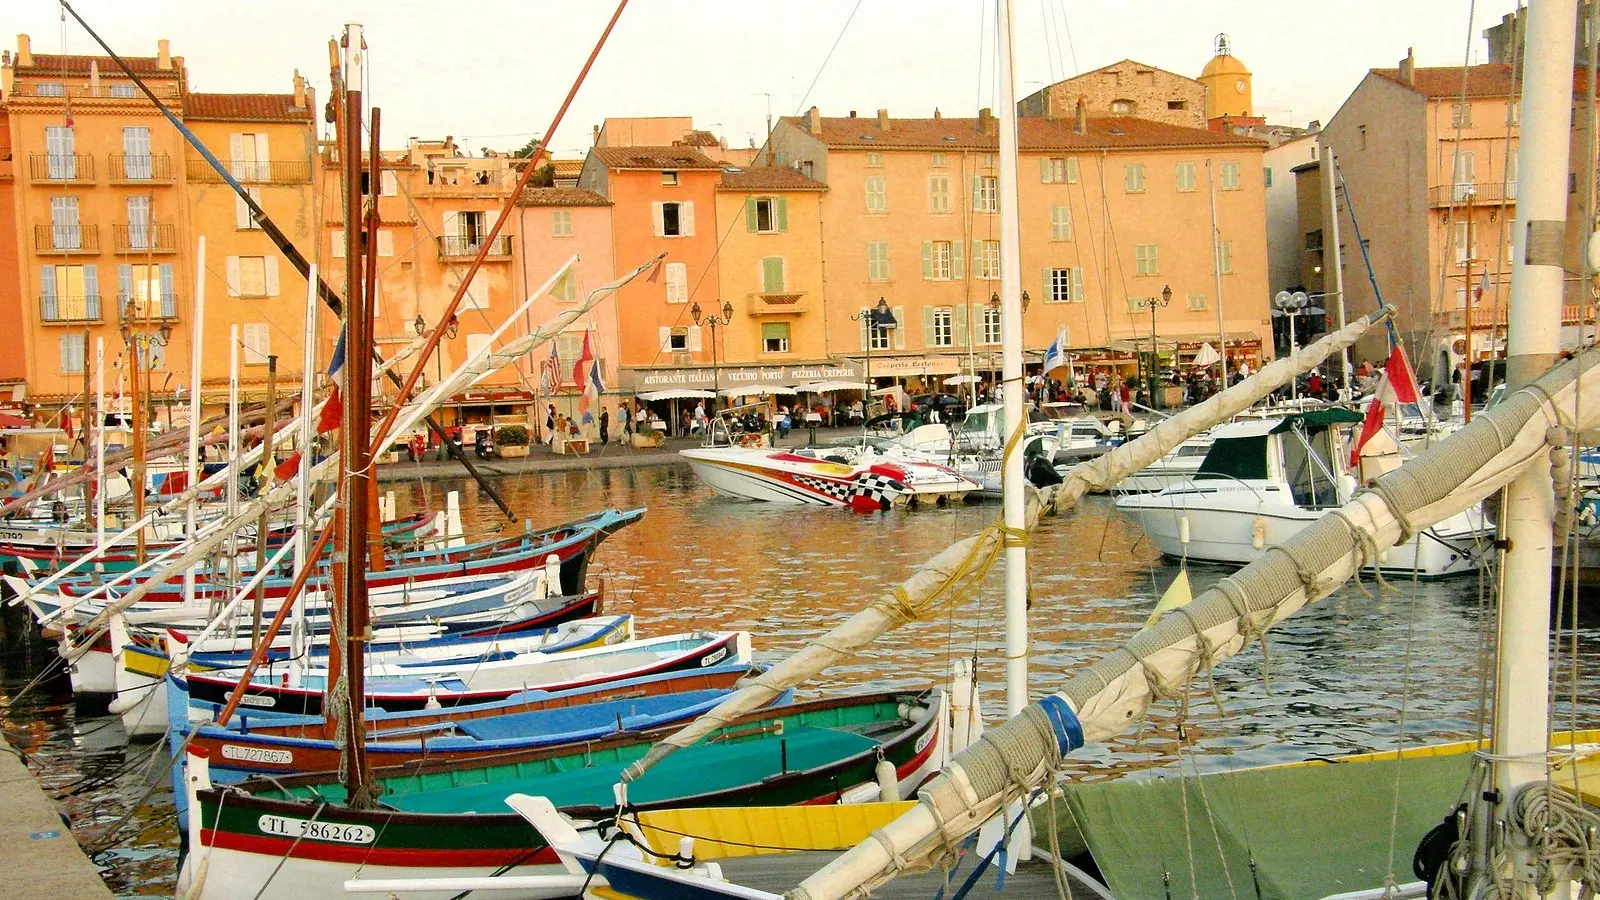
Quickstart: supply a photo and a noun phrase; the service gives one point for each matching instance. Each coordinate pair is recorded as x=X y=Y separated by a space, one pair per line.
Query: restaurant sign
x=635 y=380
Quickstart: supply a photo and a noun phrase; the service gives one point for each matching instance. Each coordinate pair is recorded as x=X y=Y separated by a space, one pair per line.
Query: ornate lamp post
x=1292 y=306
x=141 y=345
x=1152 y=304
x=713 y=321
x=879 y=319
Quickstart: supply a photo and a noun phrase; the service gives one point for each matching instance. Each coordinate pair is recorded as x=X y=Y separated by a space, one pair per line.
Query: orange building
x=1114 y=211
x=108 y=203
x=13 y=331
x=664 y=200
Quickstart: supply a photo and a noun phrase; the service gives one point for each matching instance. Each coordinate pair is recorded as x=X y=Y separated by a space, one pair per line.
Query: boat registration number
x=282 y=826
x=253 y=700
x=257 y=755
x=714 y=658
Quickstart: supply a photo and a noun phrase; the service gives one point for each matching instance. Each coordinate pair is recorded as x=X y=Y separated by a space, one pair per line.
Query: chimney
x=597 y=135
x=1314 y=126
x=163 y=54
x=24 y=51
x=937 y=114
x=986 y=121
x=94 y=77
x=299 y=90
x=1408 y=67
x=883 y=120
x=1080 y=122
x=814 y=120
x=852 y=114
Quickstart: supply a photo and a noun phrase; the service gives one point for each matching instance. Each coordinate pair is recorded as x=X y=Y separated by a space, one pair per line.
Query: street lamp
x=1152 y=304
x=713 y=321
x=1293 y=306
x=878 y=317
x=140 y=344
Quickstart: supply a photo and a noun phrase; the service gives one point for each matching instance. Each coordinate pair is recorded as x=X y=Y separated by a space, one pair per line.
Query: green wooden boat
x=294 y=836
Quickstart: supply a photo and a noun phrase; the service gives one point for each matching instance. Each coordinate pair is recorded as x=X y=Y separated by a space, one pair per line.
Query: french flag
x=1398 y=385
x=332 y=414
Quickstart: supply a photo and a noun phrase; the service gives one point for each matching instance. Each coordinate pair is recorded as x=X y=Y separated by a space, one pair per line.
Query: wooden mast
x=356 y=455
x=371 y=224
x=267 y=465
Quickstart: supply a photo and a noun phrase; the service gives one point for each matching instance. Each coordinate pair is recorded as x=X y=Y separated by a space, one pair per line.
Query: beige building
x=1433 y=183
x=1286 y=206
x=1125 y=88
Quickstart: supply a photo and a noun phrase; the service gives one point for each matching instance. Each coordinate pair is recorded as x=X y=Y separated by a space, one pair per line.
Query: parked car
x=951 y=408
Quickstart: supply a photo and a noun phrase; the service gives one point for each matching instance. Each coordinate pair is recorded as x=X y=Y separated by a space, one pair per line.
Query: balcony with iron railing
x=451 y=181
x=137 y=239
x=142 y=310
x=66 y=240
x=1483 y=193
x=61 y=168
x=783 y=303
x=150 y=168
x=69 y=309
x=459 y=247
x=253 y=171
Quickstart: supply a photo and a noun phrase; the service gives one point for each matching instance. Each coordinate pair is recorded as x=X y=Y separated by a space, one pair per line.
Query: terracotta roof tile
x=654 y=158
x=1034 y=134
x=56 y=64
x=246 y=107
x=700 y=138
x=767 y=178
x=560 y=196
x=1489 y=80
x=567 y=167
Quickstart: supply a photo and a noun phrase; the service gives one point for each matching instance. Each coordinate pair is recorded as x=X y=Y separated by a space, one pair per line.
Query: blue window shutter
x=47 y=288
x=91 y=291
x=169 y=298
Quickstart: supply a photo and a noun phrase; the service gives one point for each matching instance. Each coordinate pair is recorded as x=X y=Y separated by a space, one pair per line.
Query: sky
x=493 y=72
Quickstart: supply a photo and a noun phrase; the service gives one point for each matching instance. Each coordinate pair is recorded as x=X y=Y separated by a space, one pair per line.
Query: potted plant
x=511 y=441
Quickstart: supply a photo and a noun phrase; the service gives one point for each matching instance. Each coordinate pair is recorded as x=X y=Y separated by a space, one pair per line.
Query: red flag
x=579 y=368
x=1398 y=386
x=655 y=273
x=287 y=469
x=66 y=424
x=332 y=412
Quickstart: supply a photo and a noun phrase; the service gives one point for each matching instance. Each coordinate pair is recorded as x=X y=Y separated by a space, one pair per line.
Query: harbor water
x=1372 y=666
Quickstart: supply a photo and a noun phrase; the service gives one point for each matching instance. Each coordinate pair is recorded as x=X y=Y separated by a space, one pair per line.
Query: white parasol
x=676 y=394
x=1207 y=355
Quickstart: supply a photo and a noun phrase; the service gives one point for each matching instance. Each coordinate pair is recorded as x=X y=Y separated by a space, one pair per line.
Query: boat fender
x=1183 y=530
x=1346 y=488
x=619 y=792
x=1258 y=533
x=685 y=857
x=867 y=792
x=888 y=781
x=433 y=698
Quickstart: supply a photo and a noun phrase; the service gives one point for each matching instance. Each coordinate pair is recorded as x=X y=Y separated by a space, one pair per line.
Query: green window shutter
x=782 y=214
x=1044 y=170
x=960 y=331
x=1077 y=284
x=977 y=191
x=956 y=270
x=927 y=259
x=1044 y=276
x=927 y=326
x=750 y=221
x=900 y=328
x=91 y=290
x=772 y=274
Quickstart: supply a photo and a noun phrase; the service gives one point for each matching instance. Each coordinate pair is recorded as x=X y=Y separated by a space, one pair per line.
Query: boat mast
x=196 y=348
x=1330 y=241
x=1216 y=271
x=1011 y=484
x=99 y=444
x=357 y=425
x=302 y=531
x=1522 y=679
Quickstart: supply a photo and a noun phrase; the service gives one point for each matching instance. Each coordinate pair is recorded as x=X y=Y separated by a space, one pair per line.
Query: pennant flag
x=1397 y=386
x=655 y=272
x=66 y=424
x=288 y=468
x=336 y=362
x=1178 y=594
x=1056 y=356
x=332 y=413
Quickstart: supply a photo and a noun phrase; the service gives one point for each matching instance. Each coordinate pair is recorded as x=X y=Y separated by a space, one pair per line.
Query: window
x=1185 y=177
x=1466 y=174
x=1464 y=243
x=674 y=219
x=874 y=160
x=150 y=288
x=1072 y=170
x=249 y=157
x=767 y=215
x=1314 y=240
x=72 y=352
x=1060 y=223
x=774 y=337
x=1266 y=176
x=939 y=260
x=464 y=230
x=772 y=281
x=1461 y=115
x=136 y=152
x=1121 y=107
x=61 y=163
x=986 y=259
x=51 y=89
x=1225 y=257
x=878 y=337
x=938 y=193
x=1146 y=259
x=70 y=293
x=942 y=327
x=1230 y=176
x=1133 y=179
x=990 y=333
x=1197 y=302
x=877 y=260
x=877 y=197
x=1177 y=104
x=985 y=193
x=937 y=161
x=677 y=339
x=677 y=278
x=252 y=276
x=64 y=231
x=244 y=221
x=1053 y=170
x=985 y=160
x=257 y=340
x=669 y=178
x=1511 y=177
x=138 y=223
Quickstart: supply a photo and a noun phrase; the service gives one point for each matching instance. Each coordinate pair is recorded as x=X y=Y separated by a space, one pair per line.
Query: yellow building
x=109 y=205
x=1114 y=211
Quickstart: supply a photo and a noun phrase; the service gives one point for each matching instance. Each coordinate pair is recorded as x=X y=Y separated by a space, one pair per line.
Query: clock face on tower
x=1239 y=85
